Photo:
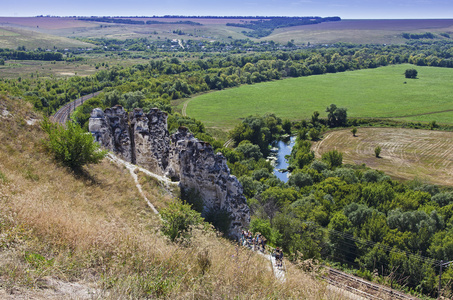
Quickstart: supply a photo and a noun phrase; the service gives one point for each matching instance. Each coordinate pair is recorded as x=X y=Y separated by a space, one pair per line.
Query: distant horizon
x=346 y=9
x=215 y=16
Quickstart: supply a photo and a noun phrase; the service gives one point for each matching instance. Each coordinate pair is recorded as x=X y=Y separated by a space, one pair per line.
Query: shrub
x=411 y=73
x=319 y=165
x=300 y=180
x=177 y=219
x=71 y=146
x=333 y=158
x=377 y=151
x=443 y=198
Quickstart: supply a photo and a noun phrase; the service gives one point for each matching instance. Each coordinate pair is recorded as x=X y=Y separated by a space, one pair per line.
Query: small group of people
x=255 y=242
x=278 y=254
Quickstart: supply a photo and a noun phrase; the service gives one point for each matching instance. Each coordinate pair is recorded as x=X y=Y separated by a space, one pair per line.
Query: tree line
x=264 y=27
x=7 y=54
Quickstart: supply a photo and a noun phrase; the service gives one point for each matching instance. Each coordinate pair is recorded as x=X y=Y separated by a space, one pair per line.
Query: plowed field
x=406 y=153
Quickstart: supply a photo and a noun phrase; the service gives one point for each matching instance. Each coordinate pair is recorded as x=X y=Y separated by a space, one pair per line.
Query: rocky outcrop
x=199 y=168
x=110 y=129
x=151 y=140
x=143 y=139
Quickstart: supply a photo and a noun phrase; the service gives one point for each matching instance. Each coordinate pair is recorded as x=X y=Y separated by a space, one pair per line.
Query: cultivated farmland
x=349 y=31
x=372 y=93
x=406 y=153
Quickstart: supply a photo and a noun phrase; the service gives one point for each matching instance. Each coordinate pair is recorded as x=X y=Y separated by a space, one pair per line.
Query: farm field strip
x=406 y=153
x=372 y=93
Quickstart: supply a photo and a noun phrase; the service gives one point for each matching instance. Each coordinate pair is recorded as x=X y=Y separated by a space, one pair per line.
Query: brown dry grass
x=406 y=153
x=92 y=234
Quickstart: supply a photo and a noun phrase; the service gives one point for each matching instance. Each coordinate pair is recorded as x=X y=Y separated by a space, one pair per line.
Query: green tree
x=411 y=73
x=71 y=145
x=300 y=180
x=353 y=131
x=286 y=125
x=336 y=116
x=333 y=158
x=377 y=151
x=249 y=150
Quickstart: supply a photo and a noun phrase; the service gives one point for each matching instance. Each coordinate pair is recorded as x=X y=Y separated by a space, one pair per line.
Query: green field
x=374 y=93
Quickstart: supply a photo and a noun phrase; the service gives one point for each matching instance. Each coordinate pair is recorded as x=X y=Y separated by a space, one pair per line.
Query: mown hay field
x=373 y=93
x=406 y=153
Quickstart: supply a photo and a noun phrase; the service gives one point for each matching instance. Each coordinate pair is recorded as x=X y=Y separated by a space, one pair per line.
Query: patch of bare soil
x=406 y=153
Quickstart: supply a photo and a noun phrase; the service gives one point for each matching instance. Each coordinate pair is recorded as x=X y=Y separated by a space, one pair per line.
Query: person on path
x=263 y=243
x=280 y=258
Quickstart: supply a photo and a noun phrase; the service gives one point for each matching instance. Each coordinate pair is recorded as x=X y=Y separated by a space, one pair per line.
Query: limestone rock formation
x=143 y=139
x=200 y=169
x=110 y=128
x=151 y=140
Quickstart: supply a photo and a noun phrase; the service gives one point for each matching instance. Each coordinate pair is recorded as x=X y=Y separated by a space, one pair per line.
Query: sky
x=346 y=9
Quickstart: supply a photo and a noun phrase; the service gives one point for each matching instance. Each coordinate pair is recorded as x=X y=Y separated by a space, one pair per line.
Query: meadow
x=373 y=93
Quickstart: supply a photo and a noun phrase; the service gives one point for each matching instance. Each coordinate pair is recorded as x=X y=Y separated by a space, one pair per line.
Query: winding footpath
x=184 y=108
x=132 y=169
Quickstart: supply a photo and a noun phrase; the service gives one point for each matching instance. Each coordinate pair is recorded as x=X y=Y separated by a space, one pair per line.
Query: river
x=284 y=148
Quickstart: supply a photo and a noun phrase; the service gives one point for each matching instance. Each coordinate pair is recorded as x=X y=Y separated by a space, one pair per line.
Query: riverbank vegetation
x=351 y=216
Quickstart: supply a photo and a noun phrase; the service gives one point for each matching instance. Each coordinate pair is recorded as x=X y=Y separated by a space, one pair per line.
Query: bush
x=411 y=73
x=319 y=165
x=177 y=218
x=300 y=180
x=333 y=158
x=443 y=198
x=72 y=146
x=377 y=151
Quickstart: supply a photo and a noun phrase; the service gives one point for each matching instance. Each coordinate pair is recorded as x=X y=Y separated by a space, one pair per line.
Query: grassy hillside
x=93 y=237
x=350 y=31
x=13 y=37
x=360 y=31
x=373 y=93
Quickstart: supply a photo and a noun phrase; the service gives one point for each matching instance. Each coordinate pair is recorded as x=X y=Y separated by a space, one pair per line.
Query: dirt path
x=228 y=143
x=132 y=169
x=180 y=44
x=184 y=108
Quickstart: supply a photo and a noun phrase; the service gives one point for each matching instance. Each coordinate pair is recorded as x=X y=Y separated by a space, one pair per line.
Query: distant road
x=62 y=115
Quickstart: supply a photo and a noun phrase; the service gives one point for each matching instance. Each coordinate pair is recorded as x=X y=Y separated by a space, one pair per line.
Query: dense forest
x=345 y=215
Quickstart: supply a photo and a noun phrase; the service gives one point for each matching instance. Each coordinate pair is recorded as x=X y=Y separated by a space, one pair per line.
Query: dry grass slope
x=64 y=236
